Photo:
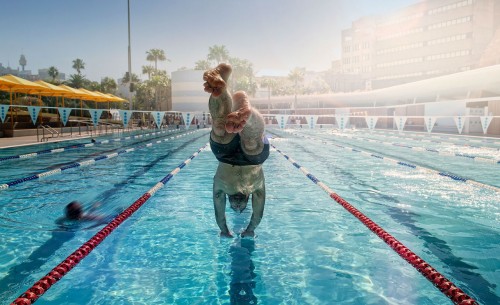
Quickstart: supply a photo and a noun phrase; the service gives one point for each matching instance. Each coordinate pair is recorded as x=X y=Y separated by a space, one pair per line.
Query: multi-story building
x=428 y=39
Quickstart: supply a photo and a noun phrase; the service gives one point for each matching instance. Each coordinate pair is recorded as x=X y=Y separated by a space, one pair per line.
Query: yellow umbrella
x=17 y=84
x=78 y=94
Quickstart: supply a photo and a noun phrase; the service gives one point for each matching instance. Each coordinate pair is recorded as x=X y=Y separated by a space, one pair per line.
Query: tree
x=218 y=54
x=156 y=55
x=270 y=84
x=202 y=65
x=242 y=77
x=78 y=65
x=76 y=81
x=108 y=85
x=126 y=78
x=296 y=75
x=53 y=72
x=148 y=70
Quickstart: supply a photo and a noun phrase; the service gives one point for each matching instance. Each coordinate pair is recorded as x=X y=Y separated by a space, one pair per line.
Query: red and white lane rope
x=42 y=285
x=441 y=282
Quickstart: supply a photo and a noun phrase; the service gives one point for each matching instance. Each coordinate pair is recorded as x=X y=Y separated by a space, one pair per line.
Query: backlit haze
x=274 y=35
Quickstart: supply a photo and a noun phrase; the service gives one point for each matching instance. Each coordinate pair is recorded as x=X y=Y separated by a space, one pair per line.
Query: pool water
x=309 y=250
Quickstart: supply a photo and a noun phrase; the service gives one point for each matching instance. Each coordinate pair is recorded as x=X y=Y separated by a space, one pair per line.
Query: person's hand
x=248 y=233
x=226 y=234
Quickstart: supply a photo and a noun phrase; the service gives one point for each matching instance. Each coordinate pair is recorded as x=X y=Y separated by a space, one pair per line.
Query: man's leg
x=248 y=122
x=220 y=102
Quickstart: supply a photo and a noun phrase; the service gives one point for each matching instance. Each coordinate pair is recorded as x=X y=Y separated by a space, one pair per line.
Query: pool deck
x=32 y=140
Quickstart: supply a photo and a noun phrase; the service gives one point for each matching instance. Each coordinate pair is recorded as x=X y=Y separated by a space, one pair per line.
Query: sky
x=274 y=35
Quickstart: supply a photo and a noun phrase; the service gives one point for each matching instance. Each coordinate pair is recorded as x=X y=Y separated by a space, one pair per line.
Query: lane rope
x=451 y=137
x=41 y=286
x=424 y=149
x=406 y=164
x=85 y=163
x=441 y=282
x=422 y=138
x=75 y=146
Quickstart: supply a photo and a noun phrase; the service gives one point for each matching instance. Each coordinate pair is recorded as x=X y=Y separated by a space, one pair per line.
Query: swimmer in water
x=237 y=141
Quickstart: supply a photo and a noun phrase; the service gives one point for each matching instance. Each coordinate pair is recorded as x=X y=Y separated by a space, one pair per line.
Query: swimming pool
x=309 y=250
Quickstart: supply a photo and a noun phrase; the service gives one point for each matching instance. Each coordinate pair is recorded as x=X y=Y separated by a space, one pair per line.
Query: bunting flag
x=311 y=120
x=282 y=120
x=125 y=116
x=371 y=121
x=459 y=121
x=64 y=114
x=400 y=122
x=95 y=114
x=485 y=122
x=429 y=122
x=158 y=116
x=187 y=118
x=34 y=111
x=341 y=121
x=3 y=112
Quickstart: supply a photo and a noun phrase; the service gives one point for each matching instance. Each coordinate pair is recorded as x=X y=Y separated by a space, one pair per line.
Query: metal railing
x=47 y=133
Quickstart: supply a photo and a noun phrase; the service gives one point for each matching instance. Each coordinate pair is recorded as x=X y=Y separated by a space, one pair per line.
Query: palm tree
x=156 y=55
x=108 y=85
x=270 y=83
x=76 y=81
x=53 y=72
x=148 y=70
x=202 y=65
x=218 y=53
x=126 y=78
x=78 y=65
x=296 y=75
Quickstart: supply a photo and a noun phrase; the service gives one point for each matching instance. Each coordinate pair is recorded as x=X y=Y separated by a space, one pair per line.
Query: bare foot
x=235 y=121
x=215 y=79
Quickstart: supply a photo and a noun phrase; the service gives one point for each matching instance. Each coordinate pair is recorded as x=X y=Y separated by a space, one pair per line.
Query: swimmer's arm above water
x=220 y=211
x=258 y=202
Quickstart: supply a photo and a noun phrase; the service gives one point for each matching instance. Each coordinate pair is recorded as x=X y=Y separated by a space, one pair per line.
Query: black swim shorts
x=231 y=153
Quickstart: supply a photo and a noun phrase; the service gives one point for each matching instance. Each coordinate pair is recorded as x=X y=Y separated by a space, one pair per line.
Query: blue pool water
x=309 y=250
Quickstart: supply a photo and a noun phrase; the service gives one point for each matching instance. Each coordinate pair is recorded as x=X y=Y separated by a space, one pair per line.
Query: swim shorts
x=231 y=153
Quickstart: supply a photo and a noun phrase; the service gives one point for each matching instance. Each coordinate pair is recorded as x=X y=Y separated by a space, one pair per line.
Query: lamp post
x=129 y=60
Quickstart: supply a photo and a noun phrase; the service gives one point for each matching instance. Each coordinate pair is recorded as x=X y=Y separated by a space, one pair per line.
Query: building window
x=448 y=7
x=448 y=23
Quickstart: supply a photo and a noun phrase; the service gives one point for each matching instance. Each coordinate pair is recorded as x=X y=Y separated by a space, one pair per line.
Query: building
x=187 y=91
x=428 y=39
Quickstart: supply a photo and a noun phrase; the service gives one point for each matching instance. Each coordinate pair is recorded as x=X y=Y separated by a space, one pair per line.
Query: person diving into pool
x=237 y=141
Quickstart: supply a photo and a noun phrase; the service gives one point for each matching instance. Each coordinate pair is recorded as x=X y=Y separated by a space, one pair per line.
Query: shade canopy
x=11 y=83
x=54 y=90
x=16 y=84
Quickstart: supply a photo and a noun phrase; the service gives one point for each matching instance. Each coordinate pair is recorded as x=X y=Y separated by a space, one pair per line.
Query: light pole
x=129 y=60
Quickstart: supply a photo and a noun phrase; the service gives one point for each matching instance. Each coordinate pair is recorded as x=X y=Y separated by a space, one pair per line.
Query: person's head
x=74 y=210
x=238 y=201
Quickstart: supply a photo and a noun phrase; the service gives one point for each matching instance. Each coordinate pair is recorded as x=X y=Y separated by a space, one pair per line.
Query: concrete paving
x=32 y=140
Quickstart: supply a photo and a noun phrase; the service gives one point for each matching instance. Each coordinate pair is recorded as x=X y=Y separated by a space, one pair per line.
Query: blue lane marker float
x=420 y=138
x=402 y=163
x=417 y=148
x=83 y=163
x=75 y=146
x=489 y=141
